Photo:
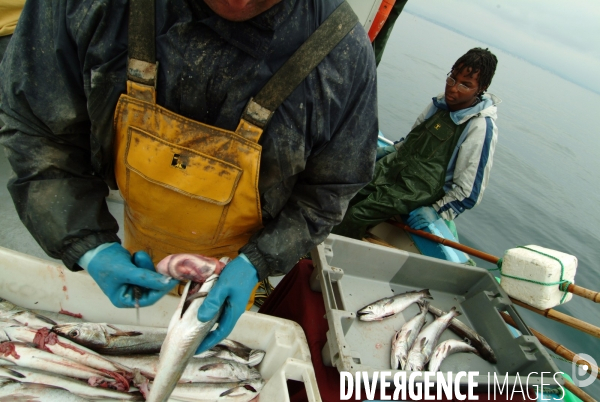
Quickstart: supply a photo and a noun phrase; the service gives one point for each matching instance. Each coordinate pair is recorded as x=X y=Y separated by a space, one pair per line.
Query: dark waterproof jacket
x=65 y=69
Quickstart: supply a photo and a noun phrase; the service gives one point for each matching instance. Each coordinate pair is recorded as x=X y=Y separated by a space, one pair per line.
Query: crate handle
x=303 y=371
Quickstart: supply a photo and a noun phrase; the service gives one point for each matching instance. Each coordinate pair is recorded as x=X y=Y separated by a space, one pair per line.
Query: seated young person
x=442 y=167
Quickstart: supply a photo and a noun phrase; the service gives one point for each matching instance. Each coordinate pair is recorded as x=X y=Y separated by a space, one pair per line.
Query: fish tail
x=456 y=312
x=426 y=294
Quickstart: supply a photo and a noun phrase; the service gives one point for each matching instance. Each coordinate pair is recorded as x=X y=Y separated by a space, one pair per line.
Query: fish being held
x=235 y=351
x=209 y=369
x=421 y=351
x=404 y=339
x=109 y=339
x=446 y=349
x=189 y=267
x=185 y=333
x=389 y=306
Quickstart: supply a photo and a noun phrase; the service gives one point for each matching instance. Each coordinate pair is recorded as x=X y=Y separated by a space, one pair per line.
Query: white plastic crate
x=40 y=284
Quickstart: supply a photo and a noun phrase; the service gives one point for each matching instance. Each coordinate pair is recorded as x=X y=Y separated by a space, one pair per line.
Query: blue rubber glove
x=116 y=272
x=422 y=217
x=232 y=291
x=384 y=151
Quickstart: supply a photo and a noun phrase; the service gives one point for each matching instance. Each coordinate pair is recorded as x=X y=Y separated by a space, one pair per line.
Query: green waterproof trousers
x=412 y=177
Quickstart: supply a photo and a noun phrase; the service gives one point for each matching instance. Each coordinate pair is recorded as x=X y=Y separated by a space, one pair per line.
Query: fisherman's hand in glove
x=384 y=151
x=116 y=272
x=421 y=217
x=232 y=291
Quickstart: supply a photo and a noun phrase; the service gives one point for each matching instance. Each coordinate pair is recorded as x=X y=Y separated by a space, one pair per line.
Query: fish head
x=415 y=361
x=83 y=333
x=372 y=312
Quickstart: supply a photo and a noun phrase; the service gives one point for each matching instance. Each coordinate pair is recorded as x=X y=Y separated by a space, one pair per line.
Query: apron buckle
x=177 y=162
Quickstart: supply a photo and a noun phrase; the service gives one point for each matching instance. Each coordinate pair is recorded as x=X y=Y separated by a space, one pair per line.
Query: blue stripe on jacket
x=468 y=203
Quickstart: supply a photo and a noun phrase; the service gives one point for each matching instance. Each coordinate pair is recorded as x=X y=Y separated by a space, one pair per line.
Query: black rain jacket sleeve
x=65 y=69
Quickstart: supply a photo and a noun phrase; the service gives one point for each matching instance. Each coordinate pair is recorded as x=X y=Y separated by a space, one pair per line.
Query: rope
x=563 y=283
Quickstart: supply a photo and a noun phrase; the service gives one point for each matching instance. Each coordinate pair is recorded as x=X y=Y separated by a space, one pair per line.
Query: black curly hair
x=478 y=60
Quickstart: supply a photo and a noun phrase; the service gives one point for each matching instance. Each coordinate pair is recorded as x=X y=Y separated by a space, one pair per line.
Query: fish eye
x=73 y=333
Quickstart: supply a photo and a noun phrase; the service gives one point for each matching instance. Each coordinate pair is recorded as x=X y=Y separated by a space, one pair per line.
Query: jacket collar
x=485 y=107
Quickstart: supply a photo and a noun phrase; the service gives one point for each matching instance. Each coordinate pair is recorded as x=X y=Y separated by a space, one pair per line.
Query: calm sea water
x=544 y=187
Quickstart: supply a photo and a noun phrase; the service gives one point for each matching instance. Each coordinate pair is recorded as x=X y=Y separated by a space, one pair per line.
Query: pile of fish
x=58 y=357
x=416 y=344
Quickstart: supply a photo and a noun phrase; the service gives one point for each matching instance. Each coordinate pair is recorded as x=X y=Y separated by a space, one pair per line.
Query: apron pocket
x=436 y=133
x=176 y=190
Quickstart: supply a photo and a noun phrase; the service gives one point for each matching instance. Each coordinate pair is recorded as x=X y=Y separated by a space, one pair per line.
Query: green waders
x=412 y=177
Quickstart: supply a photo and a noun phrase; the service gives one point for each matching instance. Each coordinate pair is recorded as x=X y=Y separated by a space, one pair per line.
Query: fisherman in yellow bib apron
x=236 y=128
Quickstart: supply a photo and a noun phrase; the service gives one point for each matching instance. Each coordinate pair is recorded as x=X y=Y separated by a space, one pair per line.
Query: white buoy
x=523 y=266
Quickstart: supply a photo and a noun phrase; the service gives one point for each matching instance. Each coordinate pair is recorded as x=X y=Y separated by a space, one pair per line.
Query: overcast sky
x=560 y=36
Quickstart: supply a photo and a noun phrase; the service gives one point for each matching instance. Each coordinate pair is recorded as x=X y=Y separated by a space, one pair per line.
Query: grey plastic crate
x=352 y=274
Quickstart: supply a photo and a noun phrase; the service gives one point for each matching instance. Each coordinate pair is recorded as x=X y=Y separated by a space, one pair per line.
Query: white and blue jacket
x=468 y=172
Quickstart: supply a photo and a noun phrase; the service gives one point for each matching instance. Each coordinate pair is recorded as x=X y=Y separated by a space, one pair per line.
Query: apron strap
x=260 y=109
x=142 y=65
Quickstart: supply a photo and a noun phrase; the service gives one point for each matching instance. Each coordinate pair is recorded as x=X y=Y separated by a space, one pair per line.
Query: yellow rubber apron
x=188 y=186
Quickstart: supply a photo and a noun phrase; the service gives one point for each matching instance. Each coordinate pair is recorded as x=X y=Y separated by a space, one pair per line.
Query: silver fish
x=235 y=351
x=24 y=355
x=10 y=311
x=464 y=331
x=199 y=392
x=446 y=349
x=209 y=369
x=185 y=333
x=7 y=324
x=108 y=339
x=24 y=374
x=421 y=351
x=389 y=306
x=57 y=317
x=404 y=339
x=64 y=347
x=25 y=392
